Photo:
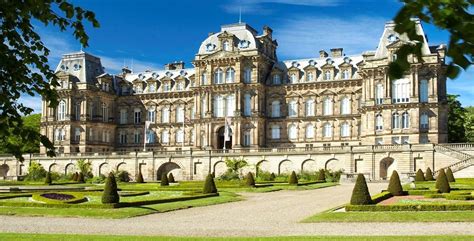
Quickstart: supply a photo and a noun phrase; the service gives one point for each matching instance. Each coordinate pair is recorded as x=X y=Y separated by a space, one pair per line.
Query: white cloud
x=261 y=6
x=300 y=37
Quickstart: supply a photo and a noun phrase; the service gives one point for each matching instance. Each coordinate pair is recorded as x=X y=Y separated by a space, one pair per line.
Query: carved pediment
x=327 y=92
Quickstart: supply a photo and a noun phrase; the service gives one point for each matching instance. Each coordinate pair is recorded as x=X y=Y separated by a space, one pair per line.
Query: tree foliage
x=31 y=122
x=451 y=15
x=469 y=124
x=85 y=168
x=48 y=179
x=456 y=120
x=360 y=193
x=36 y=171
x=139 y=178
x=24 y=65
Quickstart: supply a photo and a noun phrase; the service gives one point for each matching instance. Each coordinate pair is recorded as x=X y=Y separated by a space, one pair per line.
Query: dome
x=244 y=33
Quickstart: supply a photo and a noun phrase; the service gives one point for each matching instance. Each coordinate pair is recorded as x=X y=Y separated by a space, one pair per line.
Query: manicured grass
x=66 y=237
x=461 y=183
x=420 y=216
x=119 y=212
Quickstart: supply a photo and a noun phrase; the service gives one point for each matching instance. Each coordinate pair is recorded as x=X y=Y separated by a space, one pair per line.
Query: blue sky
x=150 y=33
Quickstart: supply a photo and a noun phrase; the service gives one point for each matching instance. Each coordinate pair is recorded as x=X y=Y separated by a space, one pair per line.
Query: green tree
x=36 y=171
x=394 y=186
x=322 y=175
x=469 y=124
x=360 y=193
x=24 y=62
x=110 y=194
x=209 y=185
x=31 y=122
x=48 y=180
x=139 y=178
x=85 y=167
x=456 y=120
x=171 y=178
x=454 y=16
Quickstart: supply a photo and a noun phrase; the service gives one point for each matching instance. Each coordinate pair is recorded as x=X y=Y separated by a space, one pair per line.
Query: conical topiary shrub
x=48 y=180
x=209 y=185
x=429 y=175
x=322 y=175
x=249 y=180
x=394 y=186
x=449 y=175
x=213 y=174
x=81 y=179
x=164 y=180
x=293 y=180
x=442 y=183
x=171 y=178
x=360 y=193
x=420 y=176
x=110 y=194
x=74 y=177
x=272 y=176
x=140 y=177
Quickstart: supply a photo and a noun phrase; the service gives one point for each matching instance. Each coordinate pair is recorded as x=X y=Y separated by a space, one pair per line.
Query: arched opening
x=219 y=168
x=309 y=166
x=120 y=166
x=166 y=168
x=384 y=167
x=221 y=139
x=69 y=169
x=21 y=170
x=285 y=166
x=332 y=164
x=4 y=170
x=104 y=168
x=262 y=166
x=53 y=168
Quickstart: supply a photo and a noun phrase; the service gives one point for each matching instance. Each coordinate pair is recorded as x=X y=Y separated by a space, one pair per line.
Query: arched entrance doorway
x=221 y=137
x=166 y=168
x=384 y=167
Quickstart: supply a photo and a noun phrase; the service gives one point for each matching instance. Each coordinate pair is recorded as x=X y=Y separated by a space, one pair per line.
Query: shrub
x=249 y=180
x=272 y=177
x=36 y=172
x=420 y=176
x=171 y=178
x=308 y=176
x=442 y=183
x=81 y=178
x=322 y=175
x=429 y=175
x=209 y=185
x=48 y=180
x=282 y=177
x=75 y=177
x=394 y=186
x=293 y=180
x=122 y=176
x=98 y=179
x=449 y=175
x=110 y=194
x=265 y=176
x=164 y=180
x=139 y=178
x=333 y=176
x=85 y=167
x=360 y=193
x=229 y=175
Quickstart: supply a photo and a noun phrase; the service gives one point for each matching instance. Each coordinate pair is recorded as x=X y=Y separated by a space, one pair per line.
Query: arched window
x=345 y=74
x=424 y=91
x=105 y=112
x=327 y=130
x=62 y=110
x=230 y=105
x=180 y=114
x=152 y=114
x=166 y=86
x=405 y=120
x=165 y=115
x=151 y=87
x=180 y=86
x=401 y=91
x=424 y=121
x=379 y=94
x=275 y=132
x=310 y=77
x=327 y=75
x=345 y=130
x=180 y=136
x=230 y=75
x=276 y=108
x=150 y=136
x=137 y=114
x=276 y=79
x=345 y=106
x=247 y=138
x=395 y=121
x=226 y=45
x=165 y=137
x=293 y=109
x=204 y=78
x=327 y=106
x=248 y=75
x=247 y=102
x=219 y=106
x=309 y=107
x=309 y=131
x=218 y=76
x=378 y=122
x=293 y=79
x=292 y=132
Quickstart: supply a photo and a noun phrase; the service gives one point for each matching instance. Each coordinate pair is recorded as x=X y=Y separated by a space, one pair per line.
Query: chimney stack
x=337 y=52
x=126 y=70
x=177 y=65
x=323 y=54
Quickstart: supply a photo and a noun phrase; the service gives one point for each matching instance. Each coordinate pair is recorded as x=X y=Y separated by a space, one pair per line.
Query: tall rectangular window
x=137 y=116
x=275 y=132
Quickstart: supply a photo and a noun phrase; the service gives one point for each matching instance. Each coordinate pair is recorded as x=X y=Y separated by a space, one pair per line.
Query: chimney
x=267 y=31
x=323 y=54
x=126 y=70
x=337 y=52
x=177 y=65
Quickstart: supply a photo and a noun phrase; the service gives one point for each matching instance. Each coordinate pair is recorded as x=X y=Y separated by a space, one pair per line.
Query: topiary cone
x=74 y=176
x=249 y=180
x=171 y=178
x=429 y=175
x=360 y=193
x=110 y=194
x=48 y=180
x=140 y=177
x=164 y=180
x=272 y=176
x=420 y=176
x=322 y=175
x=442 y=183
x=81 y=178
x=293 y=180
x=394 y=186
x=209 y=185
x=449 y=175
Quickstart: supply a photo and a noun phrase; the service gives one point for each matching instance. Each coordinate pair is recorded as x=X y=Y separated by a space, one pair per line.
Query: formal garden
x=426 y=199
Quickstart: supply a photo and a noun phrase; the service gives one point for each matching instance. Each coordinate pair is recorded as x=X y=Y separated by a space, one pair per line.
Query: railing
x=457 y=166
x=451 y=152
x=460 y=146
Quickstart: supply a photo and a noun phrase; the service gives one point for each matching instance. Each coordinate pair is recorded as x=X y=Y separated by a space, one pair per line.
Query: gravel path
x=262 y=214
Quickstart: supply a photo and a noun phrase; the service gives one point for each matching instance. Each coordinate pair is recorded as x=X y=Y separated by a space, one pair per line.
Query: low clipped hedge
x=57 y=205
x=460 y=197
x=410 y=207
x=77 y=198
x=8 y=196
x=435 y=195
x=133 y=194
x=421 y=192
x=381 y=197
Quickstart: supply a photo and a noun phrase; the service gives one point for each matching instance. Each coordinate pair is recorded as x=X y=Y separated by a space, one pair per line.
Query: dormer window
x=276 y=79
x=63 y=67
x=293 y=78
x=182 y=73
x=312 y=62
x=180 y=86
x=166 y=87
x=243 y=44
x=226 y=45
x=151 y=88
x=392 y=38
x=77 y=67
x=327 y=75
x=210 y=47
x=329 y=61
x=169 y=74
x=294 y=64
x=345 y=74
x=347 y=60
x=310 y=77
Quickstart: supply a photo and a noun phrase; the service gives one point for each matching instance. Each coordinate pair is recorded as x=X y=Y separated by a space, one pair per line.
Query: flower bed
x=59 y=198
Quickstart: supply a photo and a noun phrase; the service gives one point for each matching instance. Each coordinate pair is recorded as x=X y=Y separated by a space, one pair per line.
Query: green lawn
x=461 y=183
x=67 y=237
x=118 y=212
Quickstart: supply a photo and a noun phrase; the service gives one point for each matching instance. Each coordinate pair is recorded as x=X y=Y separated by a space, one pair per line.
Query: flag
x=227 y=130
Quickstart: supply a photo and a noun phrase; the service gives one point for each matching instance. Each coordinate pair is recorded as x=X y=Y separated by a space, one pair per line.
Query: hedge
x=459 y=197
x=168 y=200
x=410 y=207
x=381 y=196
x=421 y=192
x=16 y=195
x=133 y=194
x=78 y=198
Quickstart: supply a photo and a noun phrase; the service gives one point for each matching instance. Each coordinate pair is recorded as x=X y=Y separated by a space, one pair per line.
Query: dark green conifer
x=442 y=183
x=394 y=186
x=450 y=175
x=293 y=180
x=429 y=175
x=209 y=185
x=164 y=180
x=249 y=180
x=110 y=194
x=360 y=193
x=420 y=176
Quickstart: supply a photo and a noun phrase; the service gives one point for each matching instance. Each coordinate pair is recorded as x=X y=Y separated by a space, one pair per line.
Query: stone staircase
x=465 y=160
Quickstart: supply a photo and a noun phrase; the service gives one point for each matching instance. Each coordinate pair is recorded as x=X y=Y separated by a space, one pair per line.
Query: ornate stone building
x=329 y=100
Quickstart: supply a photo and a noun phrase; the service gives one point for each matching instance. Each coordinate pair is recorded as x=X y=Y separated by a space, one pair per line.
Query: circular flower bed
x=59 y=198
